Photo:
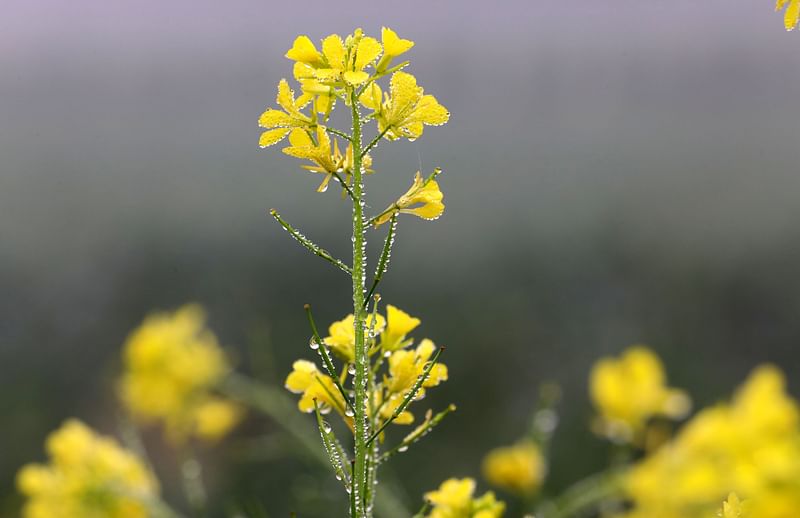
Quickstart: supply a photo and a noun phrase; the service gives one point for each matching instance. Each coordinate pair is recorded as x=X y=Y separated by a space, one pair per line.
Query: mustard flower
x=279 y=123
x=454 y=499
x=423 y=199
x=172 y=363
x=629 y=391
x=88 y=475
x=393 y=46
x=340 y=62
x=405 y=366
x=519 y=468
x=750 y=445
x=342 y=338
x=792 y=13
x=405 y=110
x=306 y=379
x=398 y=325
x=327 y=161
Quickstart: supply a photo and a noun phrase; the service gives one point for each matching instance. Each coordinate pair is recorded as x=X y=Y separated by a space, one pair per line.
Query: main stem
x=359 y=486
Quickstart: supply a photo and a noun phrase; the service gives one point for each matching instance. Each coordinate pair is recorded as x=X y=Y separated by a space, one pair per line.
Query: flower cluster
x=631 y=390
x=750 y=446
x=348 y=69
x=454 y=499
x=88 y=475
x=172 y=364
x=389 y=340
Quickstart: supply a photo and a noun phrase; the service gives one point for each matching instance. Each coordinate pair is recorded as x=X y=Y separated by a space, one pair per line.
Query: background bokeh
x=615 y=172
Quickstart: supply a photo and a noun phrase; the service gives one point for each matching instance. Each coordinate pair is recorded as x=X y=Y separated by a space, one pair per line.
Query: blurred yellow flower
x=327 y=162
x=279 y=123
x=306 y=379
x=398 y=325
x=628 y=391
x=342 y=338
x=88 y=475
x=454 y=499
x=792 y=13
x=423 y=199
x=519 y=469
x=171 y=365
x=406 y=110
x=750 y=446
x=340 y=62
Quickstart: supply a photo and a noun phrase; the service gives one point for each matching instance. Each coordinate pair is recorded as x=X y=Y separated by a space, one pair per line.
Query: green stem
x=193 y=487
x=310 y=245
x=374 y=142
x=361 y=358
x=343 y=184
x=410 y=395
x=383 y=261
x=326 y=357
x=339 y=133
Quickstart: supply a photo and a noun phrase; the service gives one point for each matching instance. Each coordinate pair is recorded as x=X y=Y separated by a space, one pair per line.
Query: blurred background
x=614 y=173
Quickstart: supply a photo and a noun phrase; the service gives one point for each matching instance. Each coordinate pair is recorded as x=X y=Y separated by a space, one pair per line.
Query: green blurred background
x=614 y=173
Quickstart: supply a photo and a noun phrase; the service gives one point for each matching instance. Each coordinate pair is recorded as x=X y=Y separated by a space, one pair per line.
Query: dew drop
x=313 y=344
x=402 y=449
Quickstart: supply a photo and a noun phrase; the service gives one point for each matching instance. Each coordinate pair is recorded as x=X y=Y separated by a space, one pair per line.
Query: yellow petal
x=285 y=98
x=274 y=119
x=430 y=112
x=302 y=71
x=271 y=137
x=791 y=15
x=404 y=90
x=355 y=78
x=368 y=50
x=334 y=51
x=428 y=211
x=372 y=96
x=303 y=50
x=299 y=138
x=302 y=376
x=392 y=44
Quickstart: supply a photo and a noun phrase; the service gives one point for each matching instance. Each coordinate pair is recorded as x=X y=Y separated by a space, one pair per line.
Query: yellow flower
x=733 y=507
x=792 y=13
x=406 y=110
x=342 y=337
x=171 y=365
x=454 y=499
x=341 y=62
x=750 y=446
x=88 y=475
x=319 y=152
x=405 y=366
x=306 y=379
x=398 y=325
x=519 y=468
x=423 y=199
x=629 y=391
x=393 y=46
x=279 y=123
